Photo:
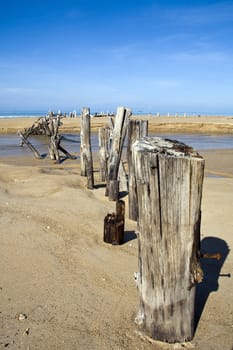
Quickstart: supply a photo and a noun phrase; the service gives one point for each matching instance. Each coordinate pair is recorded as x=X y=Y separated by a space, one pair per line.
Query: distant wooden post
x=104 y=150
x=119 y=132
x=85 y=148
x=136 y=130
x=169 y=177
x=52 y=130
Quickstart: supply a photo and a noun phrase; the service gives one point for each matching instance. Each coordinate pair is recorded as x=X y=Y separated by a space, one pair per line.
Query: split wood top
x=165 y=146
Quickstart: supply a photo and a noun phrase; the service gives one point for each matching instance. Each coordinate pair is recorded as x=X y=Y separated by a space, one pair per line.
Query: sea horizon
x=33 y=114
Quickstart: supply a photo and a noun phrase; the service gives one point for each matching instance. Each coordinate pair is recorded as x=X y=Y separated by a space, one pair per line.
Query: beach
x=62 y=287
x=219 y=125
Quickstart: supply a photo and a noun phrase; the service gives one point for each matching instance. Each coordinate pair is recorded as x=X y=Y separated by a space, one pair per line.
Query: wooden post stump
x=114 y=225
x=169 y=178
x=136 y=130
x=85 y=148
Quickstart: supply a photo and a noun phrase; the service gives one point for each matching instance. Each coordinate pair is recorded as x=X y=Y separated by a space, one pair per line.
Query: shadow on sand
x=129 y=236
x=211 y=269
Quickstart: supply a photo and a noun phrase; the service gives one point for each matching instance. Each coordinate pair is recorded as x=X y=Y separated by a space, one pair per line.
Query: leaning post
x=169 y=178
x=85 y=148
x=119 y=133
x=136 y=130
x=104 y=150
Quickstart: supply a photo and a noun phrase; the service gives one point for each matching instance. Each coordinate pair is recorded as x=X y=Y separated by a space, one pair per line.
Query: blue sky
x=151 y=56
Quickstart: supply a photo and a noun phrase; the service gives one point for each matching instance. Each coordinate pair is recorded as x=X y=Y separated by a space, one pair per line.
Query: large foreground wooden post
x=85 y=148
x=136 y=130
x=169 y=177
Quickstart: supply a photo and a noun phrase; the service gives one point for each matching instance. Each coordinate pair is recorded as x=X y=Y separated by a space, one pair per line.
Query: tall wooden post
x=169 y=177
x=119 y=132
x=104 y=150
x=136 y=130
x=85 y=148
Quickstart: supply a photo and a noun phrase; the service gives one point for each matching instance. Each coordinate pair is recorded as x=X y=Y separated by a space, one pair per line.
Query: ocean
x=22 y=114
x=37 y=114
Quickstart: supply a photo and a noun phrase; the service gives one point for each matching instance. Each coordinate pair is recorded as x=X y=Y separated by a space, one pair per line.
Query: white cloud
x=204 y=14
x=16 y=90
x=199 y=55
x=167 y=83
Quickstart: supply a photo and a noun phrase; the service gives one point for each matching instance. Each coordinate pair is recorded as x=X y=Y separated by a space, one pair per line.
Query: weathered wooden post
x=114 y=225
x=169 y=177
x=104 y=151
x=119 y=132
x=54 y=137
x=85 y=148
x=136 y=130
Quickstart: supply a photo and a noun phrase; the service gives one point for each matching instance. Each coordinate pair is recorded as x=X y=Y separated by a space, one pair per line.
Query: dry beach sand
x=77 y=292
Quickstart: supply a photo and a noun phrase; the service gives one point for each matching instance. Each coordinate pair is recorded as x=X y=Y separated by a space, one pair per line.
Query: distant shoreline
x=213 y=125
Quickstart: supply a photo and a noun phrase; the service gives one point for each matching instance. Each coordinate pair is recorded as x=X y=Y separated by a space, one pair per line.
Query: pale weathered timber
x=119 y=133
x=114 y=225
x=136 y=130
x=169 y=178
x=45 y=123
x=53 y=149
x=122 y=178
x=55 y=141
x=52 y=129
x=30 y=146
x=48 y=125
x=104 y=151
x=85 y=148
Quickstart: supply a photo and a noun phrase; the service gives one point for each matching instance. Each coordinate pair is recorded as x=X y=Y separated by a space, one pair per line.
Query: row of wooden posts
x=111 y=141
x=164 y=196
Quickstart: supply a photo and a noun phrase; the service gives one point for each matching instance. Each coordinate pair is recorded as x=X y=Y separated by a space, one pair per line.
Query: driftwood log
x=55 y=140
x=169 y=177
x=49 y=126
x=114 y=225
x=25 y=141
x=136 y=130
x=119 y=133
x=85 y=148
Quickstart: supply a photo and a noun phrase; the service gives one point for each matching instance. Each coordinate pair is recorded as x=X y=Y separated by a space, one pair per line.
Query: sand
x=220 y=125
x=78 y=292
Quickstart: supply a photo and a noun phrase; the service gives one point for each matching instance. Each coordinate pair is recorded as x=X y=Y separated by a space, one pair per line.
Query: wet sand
x=219 y=125
x=78 y=292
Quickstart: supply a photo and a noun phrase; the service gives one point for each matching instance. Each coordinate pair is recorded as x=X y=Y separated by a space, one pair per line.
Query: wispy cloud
x=158 y=83
x=211 y=13
x=73 y=14
x=167 y=83
x=201 y=55
x=16 y=90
